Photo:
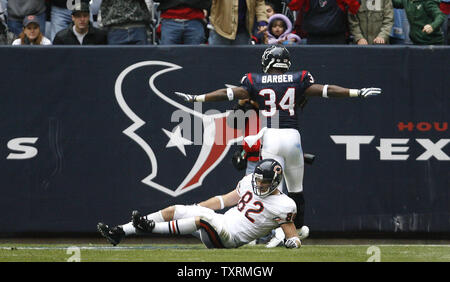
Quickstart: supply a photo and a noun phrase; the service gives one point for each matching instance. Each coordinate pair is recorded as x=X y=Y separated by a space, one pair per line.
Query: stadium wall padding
x=84 y=135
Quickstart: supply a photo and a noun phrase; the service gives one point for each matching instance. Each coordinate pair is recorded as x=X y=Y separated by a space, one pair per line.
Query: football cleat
x=303 y=233
x=141 y=222
x=113 y=235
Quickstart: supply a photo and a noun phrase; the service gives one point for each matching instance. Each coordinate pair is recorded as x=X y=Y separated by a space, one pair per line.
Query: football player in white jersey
x=279 y=92
x=257 y=208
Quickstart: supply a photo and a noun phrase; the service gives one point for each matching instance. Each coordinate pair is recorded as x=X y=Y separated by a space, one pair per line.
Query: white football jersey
x=254 y=216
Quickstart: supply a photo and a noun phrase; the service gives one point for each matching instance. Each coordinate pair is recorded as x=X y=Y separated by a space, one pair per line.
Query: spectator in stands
x=234 y=26
x=373 y=22
x=31 y=34
x=183 y=21
x=425 y=20
x=260 y=36
x=280 y=31
x=18 y=9
x=324 y=22
x=270 y=9
x=126 y=21
x=81 y=31
x=60 y=15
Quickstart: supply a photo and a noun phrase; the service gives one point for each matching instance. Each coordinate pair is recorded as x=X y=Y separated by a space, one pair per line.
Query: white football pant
x=284 y=145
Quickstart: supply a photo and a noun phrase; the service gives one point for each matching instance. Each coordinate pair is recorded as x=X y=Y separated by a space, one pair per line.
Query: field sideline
x=188 y=252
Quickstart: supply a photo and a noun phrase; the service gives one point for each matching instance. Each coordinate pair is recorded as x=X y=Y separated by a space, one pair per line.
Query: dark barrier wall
x=89 y=134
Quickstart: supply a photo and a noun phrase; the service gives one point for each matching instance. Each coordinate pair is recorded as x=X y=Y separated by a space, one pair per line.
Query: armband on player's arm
x=222 y=204
x=214 y=203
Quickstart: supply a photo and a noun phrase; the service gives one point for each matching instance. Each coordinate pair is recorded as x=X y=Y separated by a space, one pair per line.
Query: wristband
x=325 y=91
x=222 y=204
x=230 y=94
x=200 y=98
x=353 y=93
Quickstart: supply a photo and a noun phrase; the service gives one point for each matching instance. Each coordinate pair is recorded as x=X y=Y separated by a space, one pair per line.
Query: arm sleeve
x=261 y=15
x=287 y=214
x=307 y=79
x=432 y=8
x=355 y=29
x=246 y=83
x=57 y=41
x=388 y=20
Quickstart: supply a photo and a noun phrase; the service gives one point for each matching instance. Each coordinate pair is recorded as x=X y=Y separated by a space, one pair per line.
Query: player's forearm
x=213 y=203
x=223 y=94
x=337 y=91
x=218 y=95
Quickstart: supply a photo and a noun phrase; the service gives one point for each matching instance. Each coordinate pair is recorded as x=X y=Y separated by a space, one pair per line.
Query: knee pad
x=179 y=211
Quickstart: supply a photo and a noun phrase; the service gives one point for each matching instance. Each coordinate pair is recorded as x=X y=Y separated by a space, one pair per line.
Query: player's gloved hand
x=368 y=92
x=187 y=97
x=293 y=242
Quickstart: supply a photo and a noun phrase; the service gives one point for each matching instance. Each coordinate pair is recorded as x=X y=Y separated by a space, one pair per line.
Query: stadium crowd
x=224 y=22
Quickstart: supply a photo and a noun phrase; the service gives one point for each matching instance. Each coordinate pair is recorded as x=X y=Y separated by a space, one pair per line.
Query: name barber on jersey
x=277 y=78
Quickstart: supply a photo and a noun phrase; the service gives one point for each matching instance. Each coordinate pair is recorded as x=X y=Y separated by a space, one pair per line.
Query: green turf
x=198 y=253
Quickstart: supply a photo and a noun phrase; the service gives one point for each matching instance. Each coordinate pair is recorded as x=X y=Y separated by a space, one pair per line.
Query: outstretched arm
x=326 y=91
x=223 y=94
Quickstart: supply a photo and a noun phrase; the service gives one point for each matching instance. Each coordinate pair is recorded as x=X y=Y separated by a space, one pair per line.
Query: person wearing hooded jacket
x=280 y=31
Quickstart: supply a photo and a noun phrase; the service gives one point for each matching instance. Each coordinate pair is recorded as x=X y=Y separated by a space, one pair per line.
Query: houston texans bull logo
x=215 y=145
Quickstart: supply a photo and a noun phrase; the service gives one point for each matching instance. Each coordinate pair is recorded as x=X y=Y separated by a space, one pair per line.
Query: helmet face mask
x=266 y=177
x=276 y=57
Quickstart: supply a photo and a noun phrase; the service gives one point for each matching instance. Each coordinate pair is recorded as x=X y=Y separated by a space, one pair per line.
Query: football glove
x=292 y=243
x=368 y=92
x=187 y=97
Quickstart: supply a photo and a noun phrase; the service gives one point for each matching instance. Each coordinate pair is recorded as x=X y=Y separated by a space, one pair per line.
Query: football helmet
x=266 y=177
x=276 y=57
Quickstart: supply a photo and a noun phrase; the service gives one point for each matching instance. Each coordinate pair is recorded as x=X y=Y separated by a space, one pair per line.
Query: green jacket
x=419 y=14
x=375 y=18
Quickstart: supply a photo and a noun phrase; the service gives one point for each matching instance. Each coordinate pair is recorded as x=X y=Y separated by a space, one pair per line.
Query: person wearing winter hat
x=280 y=31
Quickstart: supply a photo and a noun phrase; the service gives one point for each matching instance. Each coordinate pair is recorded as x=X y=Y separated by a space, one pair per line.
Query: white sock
x=156 y=216
x=176 y=227
x=130 y=230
